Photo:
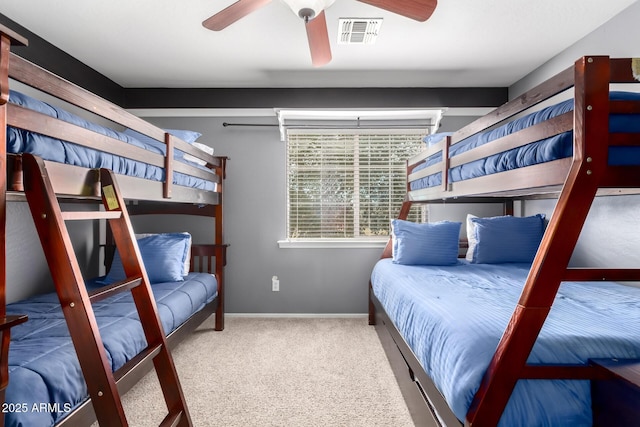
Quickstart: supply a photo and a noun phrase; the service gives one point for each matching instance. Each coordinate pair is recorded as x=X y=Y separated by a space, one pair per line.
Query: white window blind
x=347 y=183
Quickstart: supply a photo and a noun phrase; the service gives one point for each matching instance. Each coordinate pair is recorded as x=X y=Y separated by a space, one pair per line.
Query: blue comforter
x=43 y=367
x=452 y=317
x=21 y=141
x=553 y=148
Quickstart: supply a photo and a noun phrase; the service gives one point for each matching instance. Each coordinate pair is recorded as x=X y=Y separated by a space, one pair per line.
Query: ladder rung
x=172 y=419
x=8 y=322
x=77 y=215
x=599 y=274
x=140 y=358
x=114 y=288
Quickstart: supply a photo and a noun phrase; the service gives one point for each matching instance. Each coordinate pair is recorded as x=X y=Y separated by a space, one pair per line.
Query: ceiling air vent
x=358 y=30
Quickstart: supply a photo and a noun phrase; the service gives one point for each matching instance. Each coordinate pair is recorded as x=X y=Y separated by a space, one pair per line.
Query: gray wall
x=318 y=280
x=311 y=280
x=27 y=271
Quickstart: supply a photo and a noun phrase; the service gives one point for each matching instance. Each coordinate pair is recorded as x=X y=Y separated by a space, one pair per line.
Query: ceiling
x=162 y=43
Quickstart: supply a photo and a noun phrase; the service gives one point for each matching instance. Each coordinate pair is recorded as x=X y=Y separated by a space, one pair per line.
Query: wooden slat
x=168 y=168
x=621 y=71
x=30 y=74
x=34 y=121
x=621 y=176
x=539 y=176
x=162 y=208
x=546 y=129
x=15 y=38
x=172 y=419
x=424 y=172
x=24 y=118
x=624 y=107
x=601 y=274
x=624 y=139
x=114 y=288
x=446 y=164
x=82 y=215
x=8 y=322
x=561 y=372
x=143 y=357
x=560 y=82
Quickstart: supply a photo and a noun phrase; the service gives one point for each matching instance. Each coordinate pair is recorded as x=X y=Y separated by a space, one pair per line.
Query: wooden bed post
x=221 y=247
x=550 y=264
x=7 y=37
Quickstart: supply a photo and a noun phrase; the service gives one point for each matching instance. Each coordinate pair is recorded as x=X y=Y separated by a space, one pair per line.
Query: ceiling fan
x=312 y=12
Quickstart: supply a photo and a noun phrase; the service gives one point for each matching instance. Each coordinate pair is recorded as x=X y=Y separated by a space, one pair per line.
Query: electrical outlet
x=275 y=284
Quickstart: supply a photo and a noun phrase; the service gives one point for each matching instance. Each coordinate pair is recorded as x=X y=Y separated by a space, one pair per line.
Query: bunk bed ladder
x=76 y=300
x=589 y=172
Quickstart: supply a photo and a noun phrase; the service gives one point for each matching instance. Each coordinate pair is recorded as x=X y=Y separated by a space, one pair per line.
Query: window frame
x=357 y=241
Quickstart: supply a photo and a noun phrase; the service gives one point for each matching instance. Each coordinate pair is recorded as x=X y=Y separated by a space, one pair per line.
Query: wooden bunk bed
x=602 y=127
x=169 y=184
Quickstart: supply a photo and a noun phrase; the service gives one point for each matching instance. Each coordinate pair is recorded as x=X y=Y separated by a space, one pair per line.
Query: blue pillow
x=504 y=239
x=189 y=136
x=163 y=255
x=432 y=243
x=435 y=137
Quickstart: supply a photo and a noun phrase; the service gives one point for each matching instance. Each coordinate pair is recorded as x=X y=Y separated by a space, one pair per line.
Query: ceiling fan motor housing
x=308 y=9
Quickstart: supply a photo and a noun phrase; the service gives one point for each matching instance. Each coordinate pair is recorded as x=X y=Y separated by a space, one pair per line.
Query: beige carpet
x=279 y=372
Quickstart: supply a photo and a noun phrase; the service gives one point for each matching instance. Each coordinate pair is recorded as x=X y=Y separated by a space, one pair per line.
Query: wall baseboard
x=301 y=315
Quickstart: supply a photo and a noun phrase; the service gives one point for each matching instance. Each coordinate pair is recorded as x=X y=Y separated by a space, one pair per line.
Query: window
x=347 y=184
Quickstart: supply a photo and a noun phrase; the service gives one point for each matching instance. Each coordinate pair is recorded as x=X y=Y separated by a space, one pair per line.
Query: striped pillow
x=505 y=239
x=163 y=256
x=434 y=243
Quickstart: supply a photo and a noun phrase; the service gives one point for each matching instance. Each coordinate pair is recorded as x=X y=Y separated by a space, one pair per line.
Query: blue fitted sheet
x=553 y=148
x=43 y=366
x=21 y=141
x=452 y=317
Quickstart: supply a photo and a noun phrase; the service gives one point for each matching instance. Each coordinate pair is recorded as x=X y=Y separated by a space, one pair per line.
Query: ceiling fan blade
x=420 y=10
x=231 y=14
x=318 y=36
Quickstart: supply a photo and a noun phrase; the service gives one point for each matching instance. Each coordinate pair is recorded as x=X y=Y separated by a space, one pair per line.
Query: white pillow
x=471 y=237
x=202 y=147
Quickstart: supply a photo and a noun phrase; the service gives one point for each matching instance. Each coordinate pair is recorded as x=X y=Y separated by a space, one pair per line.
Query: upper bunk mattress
x=452 y=317
x=553 y=148
x=46 y=379
x=22 y=141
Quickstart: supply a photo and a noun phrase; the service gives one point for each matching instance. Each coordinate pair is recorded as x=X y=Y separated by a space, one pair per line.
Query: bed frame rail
x=543 y=178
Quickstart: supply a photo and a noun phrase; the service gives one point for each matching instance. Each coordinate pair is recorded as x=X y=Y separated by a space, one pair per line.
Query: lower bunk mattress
x=452 y=317
x=45 y=379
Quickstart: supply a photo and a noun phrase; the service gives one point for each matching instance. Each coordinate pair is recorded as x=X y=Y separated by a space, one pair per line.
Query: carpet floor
x=279 y=372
